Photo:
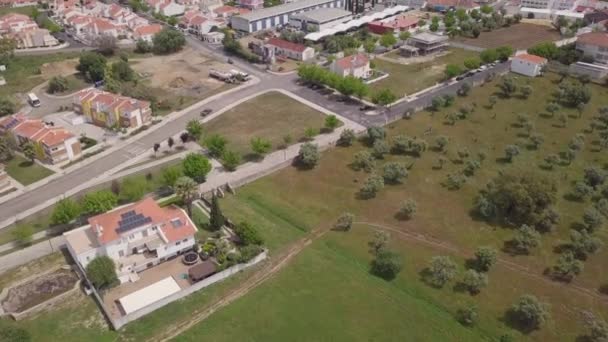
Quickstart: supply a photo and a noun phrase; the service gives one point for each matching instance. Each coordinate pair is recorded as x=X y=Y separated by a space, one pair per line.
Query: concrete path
x=33 y=252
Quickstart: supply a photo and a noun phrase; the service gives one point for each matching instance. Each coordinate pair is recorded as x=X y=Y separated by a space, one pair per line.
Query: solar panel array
x=131 y=220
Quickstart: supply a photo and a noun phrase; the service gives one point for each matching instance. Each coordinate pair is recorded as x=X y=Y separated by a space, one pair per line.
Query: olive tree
x=309 y=155
x=394 y=172
x=474 y=281
x=441 y=271
x=344 y=222
x=371 y=186
x=407 y=209
x=485 y=258
x=529 y=313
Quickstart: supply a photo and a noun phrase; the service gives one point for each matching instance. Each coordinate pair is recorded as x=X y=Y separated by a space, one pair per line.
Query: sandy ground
x=62 y=68
x=184 y=73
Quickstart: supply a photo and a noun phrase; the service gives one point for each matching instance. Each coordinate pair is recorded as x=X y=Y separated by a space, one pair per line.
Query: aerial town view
x=304 y=170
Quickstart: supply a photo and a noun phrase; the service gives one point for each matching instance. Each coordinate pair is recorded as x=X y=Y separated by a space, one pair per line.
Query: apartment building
x=25 y=31
x=53 y=145
x=594 y=45
x=136 y=236
x=110 y=110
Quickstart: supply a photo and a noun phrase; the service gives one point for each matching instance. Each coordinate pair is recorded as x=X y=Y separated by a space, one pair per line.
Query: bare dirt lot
x=59 y=68
x=520 y=36
x=185 y=73
x=41 y=289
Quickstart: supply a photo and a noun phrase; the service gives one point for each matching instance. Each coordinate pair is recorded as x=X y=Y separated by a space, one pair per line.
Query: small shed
x=202 y=270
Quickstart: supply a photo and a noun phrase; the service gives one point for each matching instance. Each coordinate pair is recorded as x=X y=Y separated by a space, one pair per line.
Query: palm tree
x=187 y=190
x=28 y=151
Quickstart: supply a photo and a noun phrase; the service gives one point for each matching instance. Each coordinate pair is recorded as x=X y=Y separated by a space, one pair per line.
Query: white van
x=33 y=100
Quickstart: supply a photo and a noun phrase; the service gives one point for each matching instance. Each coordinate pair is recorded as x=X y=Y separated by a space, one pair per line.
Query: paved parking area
x=75 y=124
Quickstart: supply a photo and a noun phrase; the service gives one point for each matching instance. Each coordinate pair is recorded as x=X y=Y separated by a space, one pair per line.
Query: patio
x=171 y=268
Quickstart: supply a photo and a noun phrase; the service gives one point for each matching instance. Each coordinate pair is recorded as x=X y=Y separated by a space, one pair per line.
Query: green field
x=411 y=78
x=327 y=291
x=23 y=72
x=25 y=172
x=270 y=116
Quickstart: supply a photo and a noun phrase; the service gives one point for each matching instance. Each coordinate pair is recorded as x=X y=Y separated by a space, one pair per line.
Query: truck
x=227 y=77
x=239 y=74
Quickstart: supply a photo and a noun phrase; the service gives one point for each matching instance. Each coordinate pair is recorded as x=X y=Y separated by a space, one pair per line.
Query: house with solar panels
x=136 y=236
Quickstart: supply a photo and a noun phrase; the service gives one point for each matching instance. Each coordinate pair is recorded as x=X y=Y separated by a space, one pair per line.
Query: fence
x=117 y=323
x=33 y=252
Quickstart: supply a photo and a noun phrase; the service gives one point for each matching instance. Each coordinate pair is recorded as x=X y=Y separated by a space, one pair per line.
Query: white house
x=529 y=65
x=299 y=52
x=355 y=65
x=213 y=37
x=136 y=236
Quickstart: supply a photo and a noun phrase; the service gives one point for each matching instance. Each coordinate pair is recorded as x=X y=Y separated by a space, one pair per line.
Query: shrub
x=57 y=84
x=372 y=185
x=344 y=222
x=394 y=172
x=529 y=313
x=308 y=156
x=474 y=281
x=408 y=209
x=248 y=234
x=386 y=265
x=364 y=161
x=485 y=258
x=347 y=137
x=441 y=270
x=467 y=316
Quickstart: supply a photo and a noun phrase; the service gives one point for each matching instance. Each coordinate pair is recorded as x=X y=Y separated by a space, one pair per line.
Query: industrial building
x=271 y=17
x=320 y=19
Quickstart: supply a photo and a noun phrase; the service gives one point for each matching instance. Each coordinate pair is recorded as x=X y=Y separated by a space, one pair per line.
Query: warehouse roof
x=322 y=15
x=281 y=9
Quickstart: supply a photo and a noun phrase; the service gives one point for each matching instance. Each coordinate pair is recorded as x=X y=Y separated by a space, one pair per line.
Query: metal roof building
x=278 y=15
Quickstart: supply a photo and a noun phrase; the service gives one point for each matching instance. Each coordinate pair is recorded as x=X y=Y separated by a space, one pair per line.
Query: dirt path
x=274 y=265
x=417 y=237
x=278 y=262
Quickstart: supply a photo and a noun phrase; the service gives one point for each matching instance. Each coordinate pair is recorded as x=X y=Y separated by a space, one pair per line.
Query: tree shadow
x=502 y=160
x=545 y=115
x=26 y=163
x=253 y=157
x=510 y=248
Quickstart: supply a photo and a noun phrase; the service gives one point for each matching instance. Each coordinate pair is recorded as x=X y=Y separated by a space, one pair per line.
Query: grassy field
x=300 y=296
x=27 y=10
x=520 y=36
x=23 y=72
x=411 y=78
x=25 y=172
x=270 y=116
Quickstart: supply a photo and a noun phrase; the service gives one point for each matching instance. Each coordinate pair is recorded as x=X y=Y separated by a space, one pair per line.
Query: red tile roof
x=531 y=58
x=105 y=226
x=352 y=62
x=399 y=22
x=148 y=29
x=283 y=44
x=594 y=38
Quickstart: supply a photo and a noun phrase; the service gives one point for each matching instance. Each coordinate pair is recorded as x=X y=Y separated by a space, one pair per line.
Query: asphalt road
x=95 y=169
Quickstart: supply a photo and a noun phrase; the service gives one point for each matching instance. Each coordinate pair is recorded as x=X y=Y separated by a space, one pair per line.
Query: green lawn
x=270 y=116
x=25 y=172
x=411 y=78
x=318 y=196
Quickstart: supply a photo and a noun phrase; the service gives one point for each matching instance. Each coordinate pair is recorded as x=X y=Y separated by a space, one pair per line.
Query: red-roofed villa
x=529 y=65
x=136 y=236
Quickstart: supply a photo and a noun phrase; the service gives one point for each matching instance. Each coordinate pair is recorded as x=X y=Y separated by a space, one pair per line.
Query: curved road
x=59 y=186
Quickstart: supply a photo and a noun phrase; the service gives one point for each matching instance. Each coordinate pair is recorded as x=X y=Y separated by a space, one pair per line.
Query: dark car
x=460 y=78
x=230 y=61
x=366 y=108
x=206 y=112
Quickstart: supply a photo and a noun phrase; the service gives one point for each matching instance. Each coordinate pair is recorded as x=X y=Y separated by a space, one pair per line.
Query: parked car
x=205 y=112
x=460 y=78
x=366 y=108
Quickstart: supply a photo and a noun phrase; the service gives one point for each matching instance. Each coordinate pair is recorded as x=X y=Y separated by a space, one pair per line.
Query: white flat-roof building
x=270 y=17
x=319 y=19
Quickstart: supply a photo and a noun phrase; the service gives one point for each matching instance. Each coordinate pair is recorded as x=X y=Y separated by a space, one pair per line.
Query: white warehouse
x=270 y=17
